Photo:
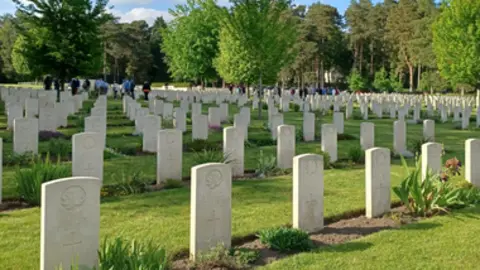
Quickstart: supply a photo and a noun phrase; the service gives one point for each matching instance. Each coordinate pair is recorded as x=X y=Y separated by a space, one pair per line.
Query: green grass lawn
x=442 y=242
x=164 y=216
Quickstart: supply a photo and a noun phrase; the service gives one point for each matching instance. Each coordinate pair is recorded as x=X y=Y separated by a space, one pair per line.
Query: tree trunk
x=372 y=70
x=61 y=89
x=259 y=97
x=360 y=63
x=419 y=76
x=322 y=75
x=410 y=73
x=105 y=61
x=317 y=72
x=355 y=55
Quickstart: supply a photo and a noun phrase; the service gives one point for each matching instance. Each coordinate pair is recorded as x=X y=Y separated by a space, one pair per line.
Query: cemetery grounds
x=442 y=242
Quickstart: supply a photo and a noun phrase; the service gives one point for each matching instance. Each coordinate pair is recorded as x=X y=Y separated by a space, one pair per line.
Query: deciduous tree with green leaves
x=61 y=37
x=267 y=32
x=190 y=42
x=456 y=41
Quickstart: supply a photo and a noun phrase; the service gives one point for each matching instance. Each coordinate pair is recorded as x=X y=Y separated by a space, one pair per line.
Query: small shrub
x=125 y=183
x=60 y=148
x=208 y=156
x=199 y=145
x=266 y=165
x=47 y=135
x=285 y=239
x=326 y=160
x=356 y=154
x=29 y=181
x=222 y=258
x=262 y=141
x=172 y=184
x=167 y=124
x=416 y=145
x=264 y=106
x=346 y=137
x=24 y=159
x=294 y=107
x=299 y=135
x=118 y=254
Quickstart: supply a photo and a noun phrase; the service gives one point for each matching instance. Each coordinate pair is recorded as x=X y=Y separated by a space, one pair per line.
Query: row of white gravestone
x=25 y=130
x=70 y=218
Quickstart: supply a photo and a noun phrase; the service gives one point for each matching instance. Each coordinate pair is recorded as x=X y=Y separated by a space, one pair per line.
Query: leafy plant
x=426 y=197
x=19 y=159
x=167 y=124
x=416 y=145
x=208 y=156
x=172 y=184
x=266 y=165
x=356 y=154
x=294 y=107
x=285 y=239
x=47 y=135
x=326 y=160
x=60 y=148
x=198 y=145
x=29 y=181
x=221 y=258
x=119 y=254
x=125 y=183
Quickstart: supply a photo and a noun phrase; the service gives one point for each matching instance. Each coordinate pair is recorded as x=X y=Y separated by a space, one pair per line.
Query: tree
x=267 y=32
x=381 y=82
x=159 y=70
x=356 y=81
x=8 y=35
x=62 y=37
x=456 y=41
x=401 y=30
x=190 y=42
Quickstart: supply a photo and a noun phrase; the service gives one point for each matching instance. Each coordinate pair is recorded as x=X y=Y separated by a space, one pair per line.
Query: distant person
x=56 y=84
x=47 y=83
x=115 y=90
x=146 y=89
x=75 y=84
x=230 y=88
x=132 y=88
x=86 y=85
x=103 y=88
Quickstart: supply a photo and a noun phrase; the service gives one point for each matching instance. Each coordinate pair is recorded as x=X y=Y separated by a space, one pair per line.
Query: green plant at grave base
x=167 y=124
x=29 y=181
x=285 y=239
x=125 y=183
x=299 y=135
x=264 y=106
x=60 y=148
x=19 y=159
x=326 y=160
x=172 y=184
x=356 y=154
x=427 y=197
x=262 y=141
x=209 y=156
x=294 y=107
x=220 y=257
x=199 y=145
x=119 y=254
x=266 y=165
x=416 y=145
x=80 y=122
x=346 y=137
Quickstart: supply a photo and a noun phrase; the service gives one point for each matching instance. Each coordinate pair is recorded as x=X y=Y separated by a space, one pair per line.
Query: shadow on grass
x=421 y=226
x=346 y=247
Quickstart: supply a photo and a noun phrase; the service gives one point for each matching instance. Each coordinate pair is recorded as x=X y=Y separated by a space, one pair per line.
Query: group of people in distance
x=100 y=86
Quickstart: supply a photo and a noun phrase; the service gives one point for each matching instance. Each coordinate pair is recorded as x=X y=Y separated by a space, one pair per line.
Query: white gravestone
x=47 y=119
x=87 y=155
x=167 y=111
x=152 y=124
x=308 y=127
x=14 y=112
x=25 y=135
x=210 y=207
x=214 y=117
x=180 y=120
x=169 y=155
x=97 y=124
x=400 y=138
x=70 y=223
x=377 y=178
x=367 y=135
x=308 y=192
x=233 y=149
x=431 y=159
x=199 y=127
x=285 y=146
x=329 y=141
x=277 y=120
x=240 y=122
x=472 y=161
x=338 y=122
x=429 y=130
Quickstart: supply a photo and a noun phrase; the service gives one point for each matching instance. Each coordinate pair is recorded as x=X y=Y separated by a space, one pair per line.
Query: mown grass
x=164 y=216
x=442 y=242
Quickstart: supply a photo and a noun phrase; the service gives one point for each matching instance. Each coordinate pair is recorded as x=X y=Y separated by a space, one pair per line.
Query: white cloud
x=147 y=14
x=126 y=2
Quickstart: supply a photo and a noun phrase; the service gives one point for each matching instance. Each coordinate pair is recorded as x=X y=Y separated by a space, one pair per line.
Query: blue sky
x=130 y=10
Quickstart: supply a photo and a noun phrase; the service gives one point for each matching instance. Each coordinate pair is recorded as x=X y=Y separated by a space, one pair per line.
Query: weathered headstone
x=70 y=223
x=169 y=155
x=431 y=159
x=47 y=119
x=213 y=117
x=367 y=135
x=277 y=120
x=285 y=146
x=152 y=124
x=158 y=107
x=87 y=155
x=97 y=124
x=210 y=207
x=180 y=120
x=199 y=127
x=25 y=135
x=472 y=161
x=308 y=192
x=329 y=141
x=400 y=138
x=338 y=122
x=14 y=112
x=233 y=149
x=377 y=178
